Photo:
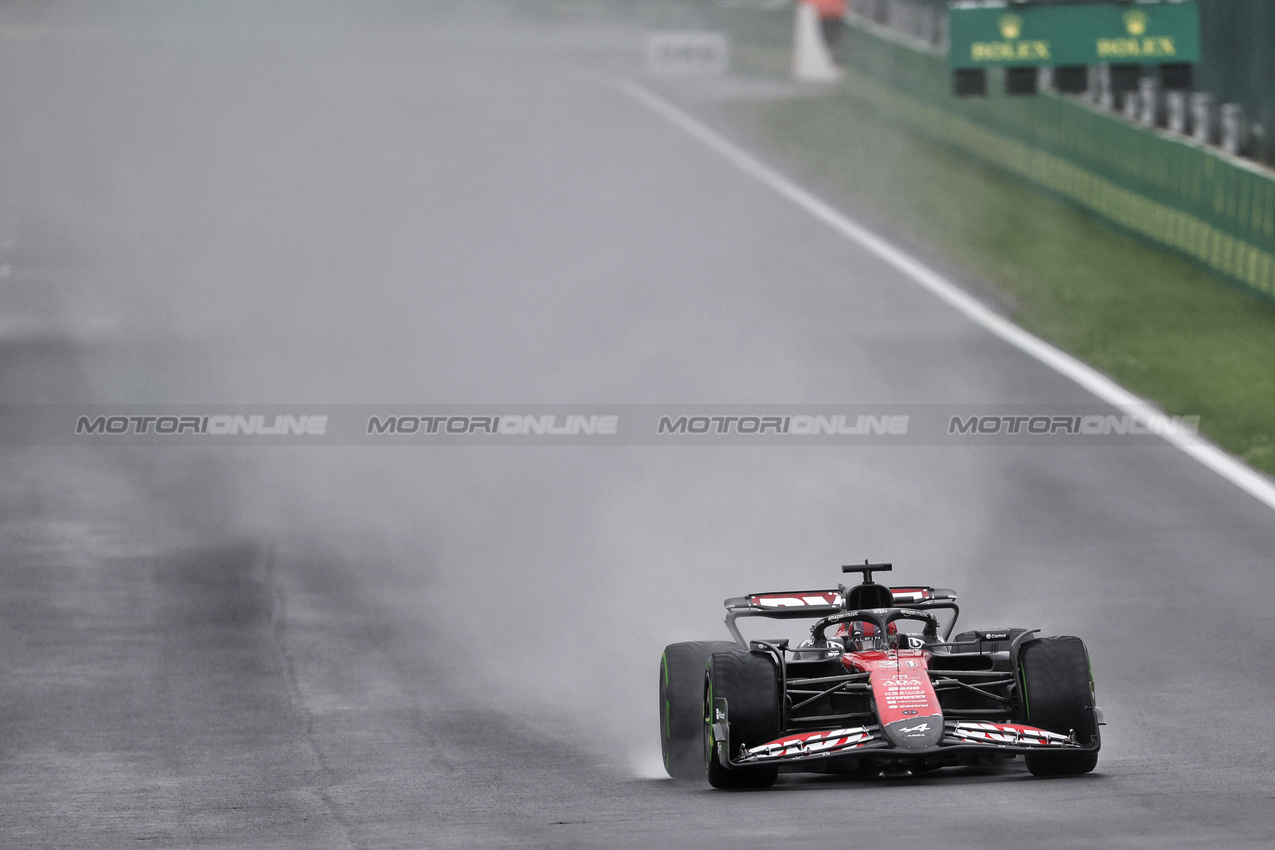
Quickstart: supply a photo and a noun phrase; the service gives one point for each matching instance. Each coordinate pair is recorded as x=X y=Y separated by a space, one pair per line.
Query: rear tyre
x=682 y=705
x=749 y=682
x=1058 y=696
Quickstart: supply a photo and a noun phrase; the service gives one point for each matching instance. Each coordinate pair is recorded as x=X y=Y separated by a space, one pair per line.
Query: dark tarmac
x=433 y=647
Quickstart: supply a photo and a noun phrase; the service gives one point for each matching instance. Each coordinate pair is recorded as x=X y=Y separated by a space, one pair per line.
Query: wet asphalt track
x=457 y=647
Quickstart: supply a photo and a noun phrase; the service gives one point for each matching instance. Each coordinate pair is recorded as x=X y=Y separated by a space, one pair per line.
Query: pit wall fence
x=1215 y=209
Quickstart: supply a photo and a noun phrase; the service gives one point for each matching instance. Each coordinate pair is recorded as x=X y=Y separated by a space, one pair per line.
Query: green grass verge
x=1159 y=325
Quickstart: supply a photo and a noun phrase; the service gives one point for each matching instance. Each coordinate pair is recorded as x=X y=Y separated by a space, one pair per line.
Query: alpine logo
x=920 y=727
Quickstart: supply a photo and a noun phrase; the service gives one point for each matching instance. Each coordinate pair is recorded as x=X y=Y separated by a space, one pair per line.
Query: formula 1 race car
x=873 y=690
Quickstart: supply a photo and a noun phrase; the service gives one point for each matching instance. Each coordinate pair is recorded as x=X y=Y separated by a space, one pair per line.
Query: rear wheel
x=749 y=683
x=682 y=705
x=1058 y=696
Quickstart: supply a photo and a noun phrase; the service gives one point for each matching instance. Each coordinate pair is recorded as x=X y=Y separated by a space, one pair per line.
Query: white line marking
x=1228 y=467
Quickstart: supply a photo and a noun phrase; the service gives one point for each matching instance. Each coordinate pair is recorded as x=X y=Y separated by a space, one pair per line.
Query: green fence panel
x=1216 y=210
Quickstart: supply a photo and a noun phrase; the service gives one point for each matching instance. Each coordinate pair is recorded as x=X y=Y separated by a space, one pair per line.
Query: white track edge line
x=1233 y=470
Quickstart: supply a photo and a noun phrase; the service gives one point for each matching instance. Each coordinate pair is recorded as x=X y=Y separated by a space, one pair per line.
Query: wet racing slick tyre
x=749 y=682
x=1058 y=696
x=682 y=705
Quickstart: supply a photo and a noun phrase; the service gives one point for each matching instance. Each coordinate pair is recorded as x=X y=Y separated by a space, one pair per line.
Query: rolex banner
x=984 y=34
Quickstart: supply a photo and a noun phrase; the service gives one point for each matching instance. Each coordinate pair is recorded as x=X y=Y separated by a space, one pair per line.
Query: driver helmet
x=862 y=635
x=858 y=634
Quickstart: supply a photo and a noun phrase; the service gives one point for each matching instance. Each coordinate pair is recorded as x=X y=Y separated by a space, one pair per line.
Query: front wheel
x=748 y=683
x=1058 y=696
x=682 y=702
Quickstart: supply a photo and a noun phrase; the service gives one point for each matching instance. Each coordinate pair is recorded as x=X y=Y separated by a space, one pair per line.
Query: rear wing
x=813 y=604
